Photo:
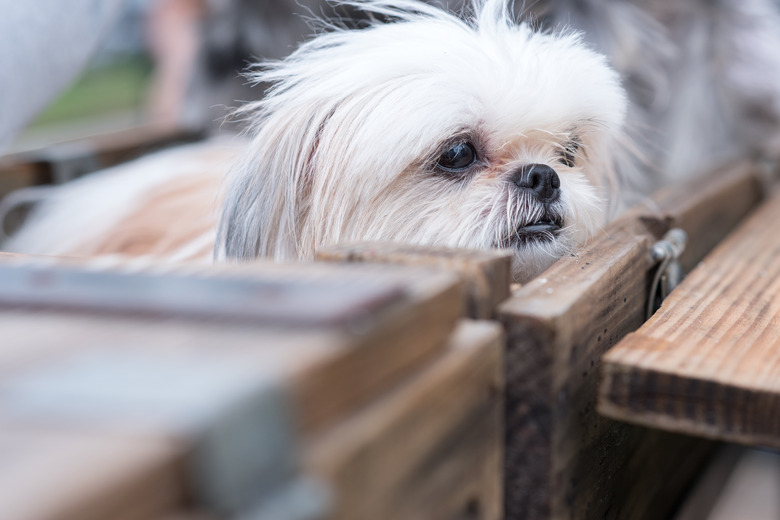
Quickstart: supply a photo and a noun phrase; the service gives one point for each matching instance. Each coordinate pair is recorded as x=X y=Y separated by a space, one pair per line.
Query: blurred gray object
x=45 y=44
x=703 y=76
x=236 y=34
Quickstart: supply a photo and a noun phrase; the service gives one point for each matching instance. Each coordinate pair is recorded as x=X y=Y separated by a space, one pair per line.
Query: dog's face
x=429 y=130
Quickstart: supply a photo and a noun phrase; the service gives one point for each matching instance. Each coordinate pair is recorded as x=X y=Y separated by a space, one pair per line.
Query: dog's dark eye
x=569 y=153
x=457 y=157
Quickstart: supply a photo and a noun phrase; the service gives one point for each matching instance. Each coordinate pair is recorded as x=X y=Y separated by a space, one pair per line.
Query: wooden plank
x=65 y=161
x=487 y=274
x=173 y=377
x=707 y=362
x=563 y=460
x=68 y=160
x=235 y=298
x=560 y=325
x=63 y=475
x=708 y=208
x=373 y=350
x=430 y=449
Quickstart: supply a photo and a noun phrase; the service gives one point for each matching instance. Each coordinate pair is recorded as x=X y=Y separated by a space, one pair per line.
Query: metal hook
x=669 y=274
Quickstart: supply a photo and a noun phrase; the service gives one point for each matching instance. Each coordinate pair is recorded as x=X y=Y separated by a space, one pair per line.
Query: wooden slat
x=67 y=160
x=430 y=449
x=708 y=362
x=708 y=208
x=64 y=475
x=487 y=274
x=257 y=300
x=564 y=460
x=166 y=378
x=375 y=348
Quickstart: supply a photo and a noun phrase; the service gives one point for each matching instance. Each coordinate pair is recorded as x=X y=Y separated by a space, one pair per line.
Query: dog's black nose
x=540 y=179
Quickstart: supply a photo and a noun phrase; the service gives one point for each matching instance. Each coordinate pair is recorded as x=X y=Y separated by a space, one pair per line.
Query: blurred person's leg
x=174 y=40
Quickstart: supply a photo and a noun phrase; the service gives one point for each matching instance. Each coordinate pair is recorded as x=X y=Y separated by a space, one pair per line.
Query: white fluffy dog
x=425 y=129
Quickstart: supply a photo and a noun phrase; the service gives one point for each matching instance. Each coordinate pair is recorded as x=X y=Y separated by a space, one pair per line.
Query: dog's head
x=428 y=129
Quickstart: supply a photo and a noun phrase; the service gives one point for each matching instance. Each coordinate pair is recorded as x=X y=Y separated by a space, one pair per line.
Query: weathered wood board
x=563 y=460
x=487 y=274
x=222 y=406
x=433 y=448
x=708 y=362
x=708 y=209
x=66 y=161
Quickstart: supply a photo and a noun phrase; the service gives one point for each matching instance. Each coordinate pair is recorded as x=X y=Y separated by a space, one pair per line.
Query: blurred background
x=171 y=63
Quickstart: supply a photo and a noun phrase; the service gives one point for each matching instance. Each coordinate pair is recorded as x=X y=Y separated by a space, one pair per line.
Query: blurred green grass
x=106 y=88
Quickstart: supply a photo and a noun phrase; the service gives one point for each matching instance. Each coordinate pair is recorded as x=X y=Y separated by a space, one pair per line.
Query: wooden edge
x=706 y=211
x=558 y=326
x=407 y=336
x=429 y=448
x=376 y=348
x=553 y=293
x=708 y=207
x=487 y=274
x=563 y=460
x=138 y=139
x=665 y=400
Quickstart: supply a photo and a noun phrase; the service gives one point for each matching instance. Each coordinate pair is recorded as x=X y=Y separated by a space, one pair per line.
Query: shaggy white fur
x=425 y=128
x=348 y=143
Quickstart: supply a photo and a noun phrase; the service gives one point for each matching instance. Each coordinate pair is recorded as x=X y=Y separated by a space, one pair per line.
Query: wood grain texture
x=563 y=460
x=430 y=449
x=708 y=208
x=332 y=368
x=708 y=362
x=486 y=274
x=153 y=379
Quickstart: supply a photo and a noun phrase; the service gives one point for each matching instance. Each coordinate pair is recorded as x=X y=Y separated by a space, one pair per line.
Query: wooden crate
x=368 y=366
x=706 y=364
x=562 y=459
x=486 y=275
x=269 y=391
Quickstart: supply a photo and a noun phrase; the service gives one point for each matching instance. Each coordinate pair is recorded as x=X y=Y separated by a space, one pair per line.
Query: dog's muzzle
x=541 y=184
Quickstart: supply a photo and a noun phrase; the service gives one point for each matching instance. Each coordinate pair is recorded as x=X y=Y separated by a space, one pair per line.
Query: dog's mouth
x=543 y=230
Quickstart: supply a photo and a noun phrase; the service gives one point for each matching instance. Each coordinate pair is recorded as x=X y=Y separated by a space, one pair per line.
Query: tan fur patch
x=176 y=214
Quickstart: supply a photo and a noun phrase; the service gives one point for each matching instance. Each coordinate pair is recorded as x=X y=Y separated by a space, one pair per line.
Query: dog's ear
x=268 y=190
